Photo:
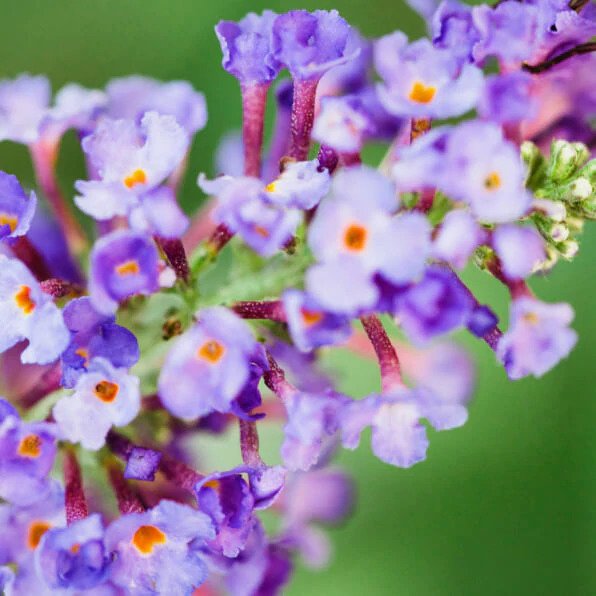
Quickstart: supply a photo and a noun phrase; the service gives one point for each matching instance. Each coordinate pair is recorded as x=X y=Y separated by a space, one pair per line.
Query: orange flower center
x=137 y=177
x=146 y=538
x=310 y=317
x=83 y=353
x=492 y=181
x=106 y=391
x=421 y=93
x=30 y=446
x=9 y=220
x=211 y=351
x=261 y=231
x=24 y=300
x=355 y=237
x=128 y=268
x=36 y=530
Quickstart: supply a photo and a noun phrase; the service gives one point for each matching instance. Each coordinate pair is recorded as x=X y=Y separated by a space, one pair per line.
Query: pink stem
x=275 y=379
x=266 y=309
x=128 y=500
x=74 y=496
x=58 y=288
x=48 y=383
x=249 y=443
x=44 y=162
x=24 y=250
x=176 y=255
x=303 y=117
x=518 y=288
x=385 y=351
x=254 y=101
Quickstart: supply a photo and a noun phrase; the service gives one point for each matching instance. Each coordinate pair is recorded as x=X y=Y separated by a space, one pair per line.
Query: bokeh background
x=505 y=505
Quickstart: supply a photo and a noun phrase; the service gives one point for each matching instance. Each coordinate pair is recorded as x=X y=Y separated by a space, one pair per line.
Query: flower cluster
x=161 y=327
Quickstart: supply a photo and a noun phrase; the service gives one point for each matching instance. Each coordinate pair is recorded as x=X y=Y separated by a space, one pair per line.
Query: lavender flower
x=16 y=208
x=123 y=264
x=104 y=394
x=29 y=314
x=520 y=250
x=537 y=339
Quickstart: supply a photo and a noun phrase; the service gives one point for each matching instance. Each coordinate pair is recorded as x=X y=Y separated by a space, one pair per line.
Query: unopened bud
x=559 y=232
x=581 y=188
x=568 y=249
x=565 y=159
x=554 y=210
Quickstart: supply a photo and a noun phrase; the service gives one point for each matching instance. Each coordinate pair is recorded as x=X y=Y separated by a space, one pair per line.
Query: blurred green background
x=504 y=505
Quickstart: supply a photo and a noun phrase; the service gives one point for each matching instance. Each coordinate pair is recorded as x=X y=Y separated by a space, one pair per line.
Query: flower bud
x=581 y=188
x=554 y=210
x=568 y=249
x=565 y=159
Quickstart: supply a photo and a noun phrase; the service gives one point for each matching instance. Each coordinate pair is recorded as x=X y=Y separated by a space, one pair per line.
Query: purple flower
x=310 y=429
x=16 y=208
x=421 y=81
x=159 y=213
x=226 y=498
x=302 y=185
x=246 y=208
x=106 y=395
x=94 y=335
x=209 y=365
x=509 y=98
x=520 y=250
x=28 y=313
x=486 y=171
x=309 y=325
x=142 y=463
x=74 y=107
x=74 y=557
x=310 y=43
x=453 y=29
x=398 y=437
x=130 y=160
x=24 y=526
x=457 y=238
x=27 y=453
x=436 y=305
x=23 y=105
x=246 y=48
x=131 y=97
x=537 y=339
x=159 y=551
x=123 y=264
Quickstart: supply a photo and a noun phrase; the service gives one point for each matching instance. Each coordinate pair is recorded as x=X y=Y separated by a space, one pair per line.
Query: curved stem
x=303 y=117
x=74 y=496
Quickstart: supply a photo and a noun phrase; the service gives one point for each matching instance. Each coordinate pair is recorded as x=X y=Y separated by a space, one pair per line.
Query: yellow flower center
x=128 y=268
x=137 y=177
x=211 y=351
x=9 y=220
x=106 y=391
x=310 y=317
x=24 y=300
x=30 y=446
x=35 y=533
x=146 y=538
x=492 y=181
x=421 y=93
x=355 y=237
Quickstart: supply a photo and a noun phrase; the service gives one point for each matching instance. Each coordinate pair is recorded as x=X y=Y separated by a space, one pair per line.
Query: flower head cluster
x=161 y=328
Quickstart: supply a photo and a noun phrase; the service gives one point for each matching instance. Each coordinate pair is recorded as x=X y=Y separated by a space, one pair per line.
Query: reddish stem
x=44 y=163
x=24 y=250
x=275 y=379
x=74 y=496
x=48 y=383
x=385 y=351
x=249 y=443
x=254 y=101
x=176 y=255
x=518 y=288
x=267 y=309
x=58 y=288
x=303 y=117
x=328 y=158
x=179 y=473
x=128 y=500
x=219 y=238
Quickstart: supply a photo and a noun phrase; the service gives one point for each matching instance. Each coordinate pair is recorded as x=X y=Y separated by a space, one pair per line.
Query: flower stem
x=266 y=309
x=47 y=383
x=176 y=255
x=303 y=117
x=385 y=351
x=24 y=250
x=74 y=496
x=44 y=163
x=280 y=140
x=128 y=500
x=254 y=101
x=249 y=443
x=275 y=379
